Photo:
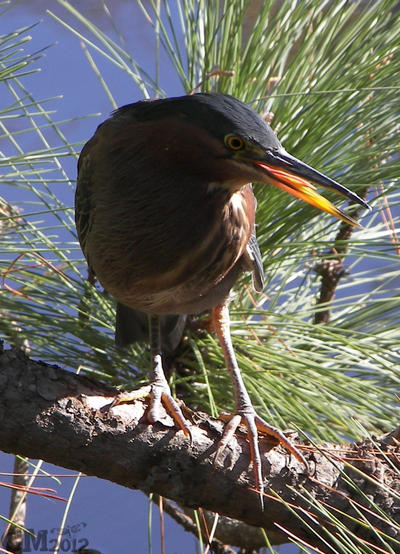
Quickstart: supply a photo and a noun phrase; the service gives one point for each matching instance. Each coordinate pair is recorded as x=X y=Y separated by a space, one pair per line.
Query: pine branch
x=61 y=417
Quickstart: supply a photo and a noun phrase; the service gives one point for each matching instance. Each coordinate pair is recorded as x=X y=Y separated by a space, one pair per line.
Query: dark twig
x=189 y=525
x=331 y=269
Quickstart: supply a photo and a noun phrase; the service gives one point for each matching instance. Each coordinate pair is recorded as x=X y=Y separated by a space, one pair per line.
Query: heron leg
x=158 y=390
x=244 y=410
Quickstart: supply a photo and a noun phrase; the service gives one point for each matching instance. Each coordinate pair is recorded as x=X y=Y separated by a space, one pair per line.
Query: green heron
x=165 y=217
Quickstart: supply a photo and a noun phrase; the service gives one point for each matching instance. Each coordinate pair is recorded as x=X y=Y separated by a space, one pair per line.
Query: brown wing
x=83 y=198
x=254 y=255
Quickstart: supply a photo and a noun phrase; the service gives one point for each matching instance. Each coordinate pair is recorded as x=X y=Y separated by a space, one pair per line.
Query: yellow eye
x=234 y=142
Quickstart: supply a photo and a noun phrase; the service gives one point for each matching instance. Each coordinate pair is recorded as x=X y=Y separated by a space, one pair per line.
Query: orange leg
x=158 y=391
x=244 y=410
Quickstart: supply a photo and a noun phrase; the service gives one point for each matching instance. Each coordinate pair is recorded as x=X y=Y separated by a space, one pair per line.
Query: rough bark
x=49 y=413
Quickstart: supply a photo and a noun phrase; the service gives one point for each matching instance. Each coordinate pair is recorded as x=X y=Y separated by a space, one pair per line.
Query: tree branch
x=49 y=413
x=331 y=268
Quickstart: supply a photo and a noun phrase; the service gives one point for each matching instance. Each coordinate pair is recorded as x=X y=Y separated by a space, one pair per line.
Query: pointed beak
x=290 y=174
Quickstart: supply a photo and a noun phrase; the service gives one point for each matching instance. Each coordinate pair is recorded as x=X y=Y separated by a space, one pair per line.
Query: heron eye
x=234 y=142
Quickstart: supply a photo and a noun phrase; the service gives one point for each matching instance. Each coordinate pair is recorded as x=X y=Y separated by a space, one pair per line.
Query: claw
x=230 y=429
x=256 y=425
x=132 y=396
x=160 y=395
x=267 y=429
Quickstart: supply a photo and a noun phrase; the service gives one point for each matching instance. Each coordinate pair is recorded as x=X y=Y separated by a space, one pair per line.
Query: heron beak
x=290 y=174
